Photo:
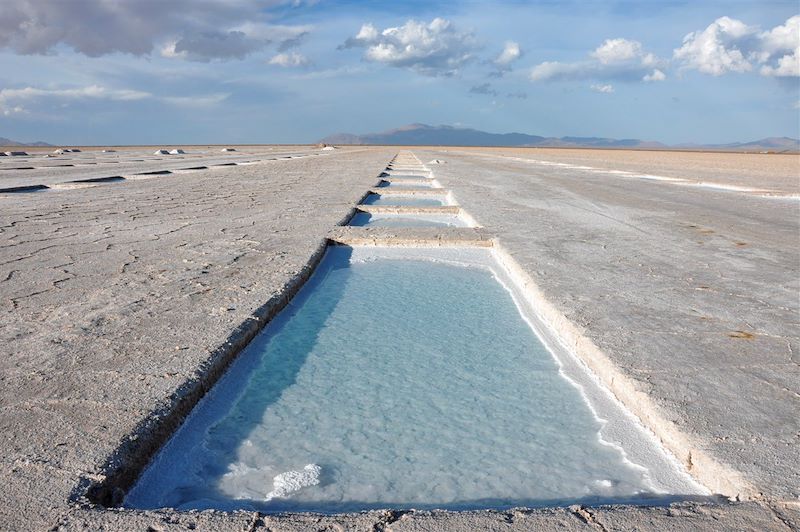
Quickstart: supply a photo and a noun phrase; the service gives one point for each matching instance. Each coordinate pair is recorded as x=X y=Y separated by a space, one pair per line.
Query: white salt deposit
x=287 y=483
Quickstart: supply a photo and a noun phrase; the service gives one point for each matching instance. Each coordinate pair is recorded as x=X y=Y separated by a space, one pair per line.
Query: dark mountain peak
x=8 y=142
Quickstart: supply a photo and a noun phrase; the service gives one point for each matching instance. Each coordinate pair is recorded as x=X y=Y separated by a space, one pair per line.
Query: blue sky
x=271 y=71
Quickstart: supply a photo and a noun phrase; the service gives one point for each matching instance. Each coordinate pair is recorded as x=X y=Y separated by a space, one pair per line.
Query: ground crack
x=583 y=513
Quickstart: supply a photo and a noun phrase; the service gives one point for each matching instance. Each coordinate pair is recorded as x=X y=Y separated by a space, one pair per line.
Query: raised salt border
x=408 y=378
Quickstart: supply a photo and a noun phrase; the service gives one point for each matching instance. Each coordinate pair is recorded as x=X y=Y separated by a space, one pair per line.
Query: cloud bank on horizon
x=302 y=69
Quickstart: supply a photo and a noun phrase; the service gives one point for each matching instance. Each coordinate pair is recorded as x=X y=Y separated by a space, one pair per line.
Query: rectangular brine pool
x=371 y=219
x=407 y=378
x=410 y=200
x=409 y=183
x=421 y=174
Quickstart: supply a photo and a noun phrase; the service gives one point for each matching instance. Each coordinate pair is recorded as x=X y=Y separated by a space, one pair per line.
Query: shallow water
x=403 y=201
x=406 y=184
x=400 y=175
x=391 y=383
x=365 y=219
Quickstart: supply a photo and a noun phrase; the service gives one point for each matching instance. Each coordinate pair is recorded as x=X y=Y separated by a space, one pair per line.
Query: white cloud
x=656 y=75
x=783 y=37
x=195 y=101
x=13 y=99
x=91 y=91
x=782 y=42
x=788 y=66
x=614 y=59
x=554 y=70
x=605 y=88
x=617 y=51
x=716 y=49
x=436 y=48
x=511 y=52
x=730 y=45
x=8 y=111
x=192 y=29
x=290 y=59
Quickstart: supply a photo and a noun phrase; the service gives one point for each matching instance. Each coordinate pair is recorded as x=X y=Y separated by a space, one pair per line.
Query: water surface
x=391 y=383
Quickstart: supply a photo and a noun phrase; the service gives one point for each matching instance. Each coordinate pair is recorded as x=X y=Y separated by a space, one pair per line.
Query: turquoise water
x=392 y=383
x=403 y=201
x=365 y=219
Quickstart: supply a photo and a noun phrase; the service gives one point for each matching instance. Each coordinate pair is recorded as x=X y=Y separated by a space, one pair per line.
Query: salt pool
x=408 y=183
x=405 y=201
x=406 y=378
x=366 y=219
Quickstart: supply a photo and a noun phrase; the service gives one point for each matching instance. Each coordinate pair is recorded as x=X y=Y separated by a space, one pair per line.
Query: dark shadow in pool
x=245 y=393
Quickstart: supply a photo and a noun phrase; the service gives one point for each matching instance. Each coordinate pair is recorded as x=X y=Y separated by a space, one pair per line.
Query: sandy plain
x=122 y=301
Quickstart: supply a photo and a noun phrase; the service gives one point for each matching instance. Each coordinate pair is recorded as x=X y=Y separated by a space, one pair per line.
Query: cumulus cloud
x=605 y=88
x=730 y=45
x=434 y=49
x=291 y=59
x=781 y=43
x=511 y=52
x=192 y=29
x=18 y=100
x=502 y=63
x=617 y=51
x=716 y=50
x=656 y=75
x=614 y=59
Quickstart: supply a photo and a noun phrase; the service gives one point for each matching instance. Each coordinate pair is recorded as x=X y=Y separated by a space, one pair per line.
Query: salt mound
x=161 y=152
x=328 y=148
x=436 y=161
x=177 y=151
x=291 y=481
x=227 y=149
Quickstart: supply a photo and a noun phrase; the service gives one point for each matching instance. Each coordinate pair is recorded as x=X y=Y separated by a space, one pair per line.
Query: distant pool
x=406 y=183
x=366 y=219
x=401 y=379
x=404 y=201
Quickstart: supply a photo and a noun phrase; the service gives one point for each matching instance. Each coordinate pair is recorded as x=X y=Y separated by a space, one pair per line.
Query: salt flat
x=59 y=170
x=119 y=300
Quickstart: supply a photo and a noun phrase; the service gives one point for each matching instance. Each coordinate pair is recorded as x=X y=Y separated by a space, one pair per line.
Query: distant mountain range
x=8 y=142
x=425 y=135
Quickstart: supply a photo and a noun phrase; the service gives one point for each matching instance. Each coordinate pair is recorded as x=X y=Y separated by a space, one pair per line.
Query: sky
x=272 y=71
